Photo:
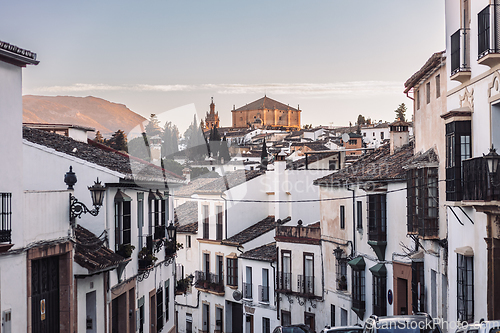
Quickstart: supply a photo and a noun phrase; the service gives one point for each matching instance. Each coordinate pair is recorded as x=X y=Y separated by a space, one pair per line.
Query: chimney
x=280 y=184
x=186 y=172
x=400 y=135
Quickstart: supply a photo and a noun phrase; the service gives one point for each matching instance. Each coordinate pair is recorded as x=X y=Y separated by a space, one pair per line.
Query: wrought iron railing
x=305 y=284
x=159 y=232
x=477 y=184
x=263 y=293
x=209 y=281
x=284 y=281
x=247 y=290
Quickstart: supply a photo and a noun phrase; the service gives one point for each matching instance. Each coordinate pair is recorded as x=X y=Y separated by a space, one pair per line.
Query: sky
x=335 y=59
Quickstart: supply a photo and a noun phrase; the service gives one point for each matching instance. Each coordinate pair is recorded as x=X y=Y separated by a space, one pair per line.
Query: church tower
x=212 y=117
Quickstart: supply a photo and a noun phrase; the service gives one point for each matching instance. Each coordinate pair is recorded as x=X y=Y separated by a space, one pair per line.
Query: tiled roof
x=300 y=163
x=90 y=253
x=256 y=230
x=132 y=167
x=229 y=180
x=379 y=165
x=188 y=189
x=423 y=159
x=265 y=103
x=17 y=55
x=434 y=61
x=186 y=217
x=265 y=253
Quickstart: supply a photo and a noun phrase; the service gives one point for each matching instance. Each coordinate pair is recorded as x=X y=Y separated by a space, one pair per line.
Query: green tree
x=224 y=150
x=196 y=143
x=139 y=147
x=98 y=137
x=263 y=156
x=118 y=141
x=170 y=139
x=361 y=120
x=401 y=112
x=153 y=127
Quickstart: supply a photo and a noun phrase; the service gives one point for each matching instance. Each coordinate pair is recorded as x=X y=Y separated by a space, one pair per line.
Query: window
x=455 y=51
x=377 y=218
x=159 y=309
x=122 y=220
x=306 y=282
x=364 y=134
x=286 y=318
x=218 y=235
x=167 y=300
x=140 y=315
x=266 y=325
x=342 y=217
x=264 y=288
x=219 y=278
x=422 y=201
x=358 y=289
x=332 y=315
x=381 y=135
x=188 y=241
x=465 y=288
x=417 y=99
x=232 y=271
x=189 y=323
x=379 y=295
x=458 y=148
x=286 y=270
x=428 y=92
x=359 y=211
x=140 y=217
x=247 y=286
x=219 y=319
x=341 y=271
x=438 y=86
x=5 y=217
x=206 y=317
x=158 y=213
x=206 y=265
x=332 y=165
x=418 y=285
x=483 y=32
x=206 y=226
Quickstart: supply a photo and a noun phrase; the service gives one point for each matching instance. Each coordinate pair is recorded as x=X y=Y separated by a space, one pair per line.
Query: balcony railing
x=358 y=304
x=284 y=282
x=212 y=282
x=305 y=284
x=264 y=294
x=476 y=181
x=459 y=51
x=5 y=236
x=247 y=290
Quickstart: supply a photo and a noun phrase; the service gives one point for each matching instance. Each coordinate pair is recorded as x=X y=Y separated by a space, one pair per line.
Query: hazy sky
x=334 y=58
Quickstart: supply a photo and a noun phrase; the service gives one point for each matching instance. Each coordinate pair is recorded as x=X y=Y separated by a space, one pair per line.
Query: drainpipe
x=225 y=215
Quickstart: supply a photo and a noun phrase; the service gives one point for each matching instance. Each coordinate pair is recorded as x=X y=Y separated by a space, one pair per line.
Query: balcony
x=488 y=28
x=264 y=294
x=247 y=290
x=209 y=282
x=159 y=232
x=460 y=68
x=284 y=282
x=476 y=182
x=305 y=284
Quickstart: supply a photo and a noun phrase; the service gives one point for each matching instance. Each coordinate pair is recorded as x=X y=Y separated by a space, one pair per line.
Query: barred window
x=358 y=289
x=5 y=217
x=465 y=288
x=418 y=285
x=232 y=272
x=377 y=217
x=342 y=217
x=458 y=149
x=159 y=309
x=206 y=228
x=423 y=201
x=122 y=220
x=428 y=92
x=341 y=271
x=379 y=298
x=218 y=230
x=359 y=209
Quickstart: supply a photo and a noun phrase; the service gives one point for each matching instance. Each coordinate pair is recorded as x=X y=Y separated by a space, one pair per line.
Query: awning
x=379 y=270
x=466 y=251
x=417 y=255
x=357 y=263
x=120 y=197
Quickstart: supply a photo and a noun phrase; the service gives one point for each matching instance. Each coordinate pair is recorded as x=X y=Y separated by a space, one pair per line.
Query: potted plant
x=125 y=250
x=146 y=258
x=171 y=249
x=342 y=283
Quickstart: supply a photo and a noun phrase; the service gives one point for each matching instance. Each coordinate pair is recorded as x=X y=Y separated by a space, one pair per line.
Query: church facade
x=266 y=112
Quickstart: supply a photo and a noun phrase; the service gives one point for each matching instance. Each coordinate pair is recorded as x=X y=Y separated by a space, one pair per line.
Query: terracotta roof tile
x=256 y=230
x=229 y=180
x=265 y=253
x=186 y=217
x=265 y=103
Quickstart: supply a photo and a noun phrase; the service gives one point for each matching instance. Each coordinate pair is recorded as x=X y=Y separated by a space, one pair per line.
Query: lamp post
x=492 y=161
x=172 y=233
x=338 y=252
x=77 y=208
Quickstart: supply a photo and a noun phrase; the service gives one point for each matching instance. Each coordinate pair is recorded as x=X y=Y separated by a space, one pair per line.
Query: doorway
x=249 y=324
x=45 y=295
x=402 y=296
x=91 y=312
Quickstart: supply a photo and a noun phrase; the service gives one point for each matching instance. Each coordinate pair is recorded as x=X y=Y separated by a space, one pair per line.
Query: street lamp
x=492 y=160
x=77 y=208
x=172 y=232
x=338 y=252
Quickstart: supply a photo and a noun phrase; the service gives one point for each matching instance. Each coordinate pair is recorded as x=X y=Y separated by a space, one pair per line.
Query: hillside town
x=268 y=223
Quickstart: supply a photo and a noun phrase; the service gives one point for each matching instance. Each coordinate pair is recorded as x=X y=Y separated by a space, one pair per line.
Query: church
x=212 y=117
x=266 y=112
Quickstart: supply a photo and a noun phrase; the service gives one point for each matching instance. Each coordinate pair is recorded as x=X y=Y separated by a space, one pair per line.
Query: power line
x=297 y=201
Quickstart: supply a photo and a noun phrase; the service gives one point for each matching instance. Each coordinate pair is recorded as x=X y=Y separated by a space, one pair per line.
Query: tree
x=153 y=127
x=98 y=137
x=358 y=130
x=263 y=156
x=118 y=141
x=224 y=151
x=170 y=139
x=361 y=120
x=196 y=143
x=400 y=112
x=214 y=142
x=139 y=147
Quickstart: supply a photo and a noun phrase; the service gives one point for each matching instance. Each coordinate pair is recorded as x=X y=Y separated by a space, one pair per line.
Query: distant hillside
x=88 y=111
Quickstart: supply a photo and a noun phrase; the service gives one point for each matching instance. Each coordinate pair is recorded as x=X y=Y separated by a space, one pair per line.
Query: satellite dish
x=345 y=137
x=237 y=295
